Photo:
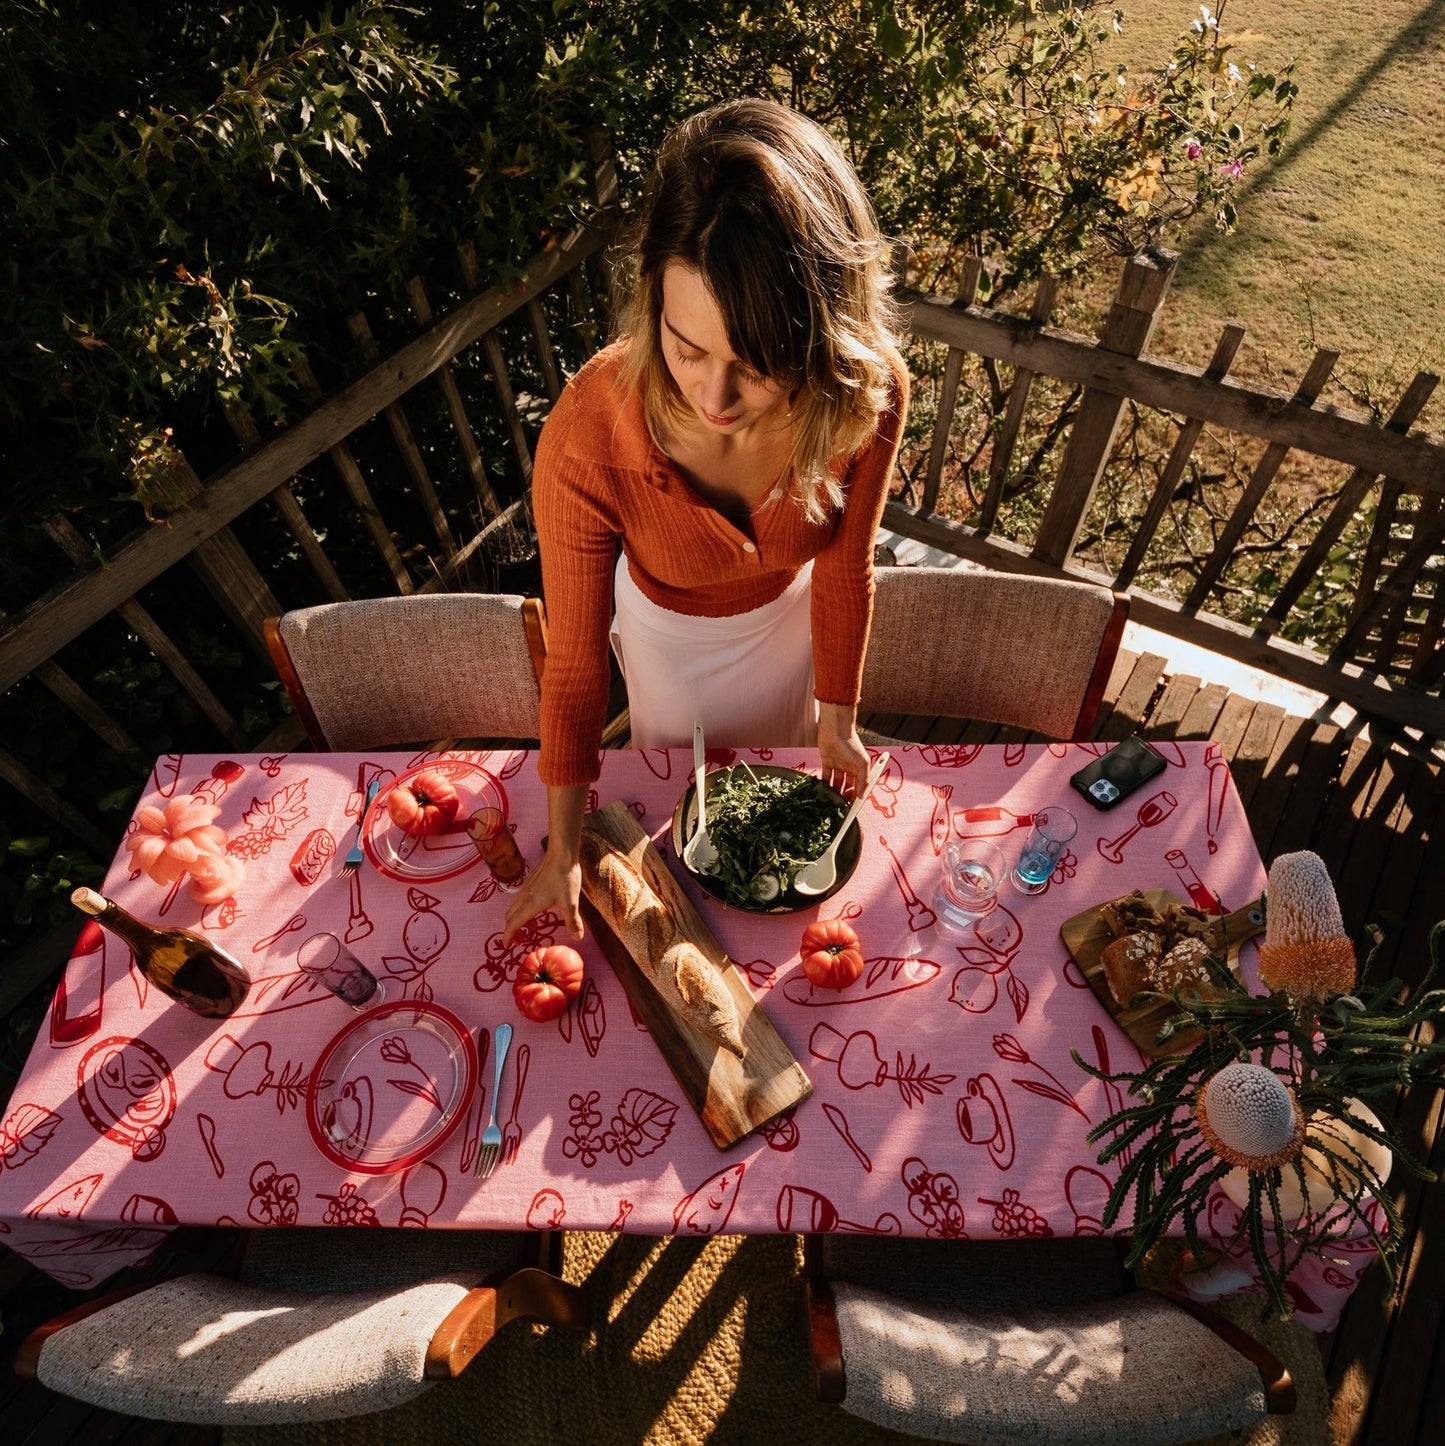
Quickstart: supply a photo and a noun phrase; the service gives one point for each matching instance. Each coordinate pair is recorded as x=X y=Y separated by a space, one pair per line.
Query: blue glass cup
x=1048 y=841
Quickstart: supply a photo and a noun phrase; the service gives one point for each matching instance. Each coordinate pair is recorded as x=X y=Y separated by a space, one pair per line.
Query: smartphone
x=1114 y=776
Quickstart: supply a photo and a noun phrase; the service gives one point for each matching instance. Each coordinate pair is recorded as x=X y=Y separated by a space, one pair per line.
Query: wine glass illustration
x=1152 y=811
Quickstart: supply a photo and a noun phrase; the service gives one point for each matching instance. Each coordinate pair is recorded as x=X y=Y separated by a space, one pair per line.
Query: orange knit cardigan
x=600 y=483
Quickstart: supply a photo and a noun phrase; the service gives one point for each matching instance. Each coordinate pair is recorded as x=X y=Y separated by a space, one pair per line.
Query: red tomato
x=832 y=955
x=548 y=981
x=424 y=804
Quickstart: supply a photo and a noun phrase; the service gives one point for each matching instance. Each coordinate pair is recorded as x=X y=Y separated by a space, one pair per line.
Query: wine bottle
x=188 y=968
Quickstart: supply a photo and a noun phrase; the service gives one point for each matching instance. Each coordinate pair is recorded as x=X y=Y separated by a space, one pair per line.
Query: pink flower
x=1194 y=150
x=1233 y=168
x=182 y=839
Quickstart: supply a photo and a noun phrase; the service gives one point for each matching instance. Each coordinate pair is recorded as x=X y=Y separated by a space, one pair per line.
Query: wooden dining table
x=948 y=1100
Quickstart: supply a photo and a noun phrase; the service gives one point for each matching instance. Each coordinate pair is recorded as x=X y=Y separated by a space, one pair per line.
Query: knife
x=355 y=854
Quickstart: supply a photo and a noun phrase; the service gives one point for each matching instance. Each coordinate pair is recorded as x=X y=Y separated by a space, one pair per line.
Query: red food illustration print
x=938 y=821
x=1219 y=777
x=860 y=1066
x=804 y=1211
x=1014 y=1220
x=424 y=936
x=933 y=1200
x=658 y=761
x=1087 y=1191
x=274 y=1195
x=884 y=797
x=839 y=1122
x=166 y=773
x=949 y=755
x=1013 y=754
x=221 y=916
x=270 y=765
x=706 y=1210
x=639 y=1125
x=781 y=1132
x=1154 y=810
x=206 y=1127
x=1011 y=1051
x=293 y=925
x=624 y=1209
x=983 y=1119
x=760 y=973
x=127 y=1094
x=24 y=1132
x=920 y=916
x=222 y=776
x=512 y=764
x=69 y=1201
x=346 y=1207
x=591 y=1018
x=347 y=1118
x=248 y=1072
x=547 y=1210
x=880 y=977
x=512 y=1130
x=358 y=924
x=500 y=962
x=394 y=1051
x=988 y=822
x=423 y=1188
x=1200 y=894
x=270 y=820
x=148 y=1210
x=989 y=953
x=312 y=855
x=76 y=1012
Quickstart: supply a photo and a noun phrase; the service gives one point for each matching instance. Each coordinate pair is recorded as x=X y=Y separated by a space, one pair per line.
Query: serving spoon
x=700 y=853
x=819 y=876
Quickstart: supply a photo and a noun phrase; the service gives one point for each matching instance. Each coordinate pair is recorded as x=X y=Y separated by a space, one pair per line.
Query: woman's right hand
x=555 y=884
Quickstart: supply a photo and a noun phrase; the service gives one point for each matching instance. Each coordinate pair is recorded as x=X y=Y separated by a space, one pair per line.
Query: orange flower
x=183 y=839
x=1305 y=950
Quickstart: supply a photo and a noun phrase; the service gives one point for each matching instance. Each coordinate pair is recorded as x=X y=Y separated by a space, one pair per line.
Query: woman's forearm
x=556 y=882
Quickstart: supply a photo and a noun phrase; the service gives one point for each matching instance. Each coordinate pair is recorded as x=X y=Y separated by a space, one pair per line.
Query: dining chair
x=391 y=670
x=998 y=1343
x=999 y=647
x=321 y=1324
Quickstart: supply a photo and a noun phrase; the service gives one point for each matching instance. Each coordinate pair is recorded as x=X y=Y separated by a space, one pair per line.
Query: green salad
x=766 y=828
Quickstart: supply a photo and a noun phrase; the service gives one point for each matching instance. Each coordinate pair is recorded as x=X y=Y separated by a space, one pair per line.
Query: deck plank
x=1127 y=711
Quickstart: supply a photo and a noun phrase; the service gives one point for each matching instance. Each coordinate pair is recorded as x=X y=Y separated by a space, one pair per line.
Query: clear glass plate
x=391 y=1087
x=437 y=856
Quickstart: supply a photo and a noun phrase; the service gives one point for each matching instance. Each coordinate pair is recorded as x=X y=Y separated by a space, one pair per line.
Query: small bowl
x=684 y=819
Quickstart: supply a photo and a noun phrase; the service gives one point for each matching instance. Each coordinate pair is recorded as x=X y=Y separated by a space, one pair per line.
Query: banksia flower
x=1249 y=1116
x=1305 y=950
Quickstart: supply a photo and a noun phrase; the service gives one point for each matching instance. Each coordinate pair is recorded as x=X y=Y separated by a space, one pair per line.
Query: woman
x=708 y=488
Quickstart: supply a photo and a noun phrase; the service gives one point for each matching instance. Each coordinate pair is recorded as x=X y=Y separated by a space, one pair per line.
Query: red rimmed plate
x=438 y=856
x=391 y=1087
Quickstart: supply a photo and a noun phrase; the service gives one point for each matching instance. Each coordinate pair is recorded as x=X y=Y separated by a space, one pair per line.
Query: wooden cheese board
x=1085 y=936
x=732 y=1097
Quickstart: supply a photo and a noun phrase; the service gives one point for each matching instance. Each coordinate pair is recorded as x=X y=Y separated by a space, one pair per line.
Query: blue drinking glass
x=1048 y=841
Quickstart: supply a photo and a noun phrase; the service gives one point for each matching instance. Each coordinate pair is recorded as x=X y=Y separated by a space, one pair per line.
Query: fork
x=355 y=855
x=491 y=1147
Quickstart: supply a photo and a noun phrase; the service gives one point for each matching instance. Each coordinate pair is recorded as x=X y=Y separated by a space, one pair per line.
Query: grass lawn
x=1341 y=240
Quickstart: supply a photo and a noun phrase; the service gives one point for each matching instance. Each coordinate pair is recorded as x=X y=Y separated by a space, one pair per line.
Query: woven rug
x=692 y=1340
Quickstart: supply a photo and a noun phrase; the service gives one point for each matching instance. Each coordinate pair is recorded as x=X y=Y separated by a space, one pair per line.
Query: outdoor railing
x=460 y=403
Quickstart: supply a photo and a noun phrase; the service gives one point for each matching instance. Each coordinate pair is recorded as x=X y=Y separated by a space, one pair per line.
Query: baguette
x=680 y=971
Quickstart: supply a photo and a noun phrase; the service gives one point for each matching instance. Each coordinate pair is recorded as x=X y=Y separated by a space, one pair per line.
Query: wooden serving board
x=1085 y=936
x=732 y=1096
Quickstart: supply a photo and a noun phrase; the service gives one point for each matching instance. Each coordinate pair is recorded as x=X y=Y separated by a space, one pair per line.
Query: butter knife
x=355 y=854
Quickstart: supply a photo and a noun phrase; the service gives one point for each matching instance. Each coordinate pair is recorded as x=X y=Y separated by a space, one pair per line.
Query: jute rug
x=692 y=1340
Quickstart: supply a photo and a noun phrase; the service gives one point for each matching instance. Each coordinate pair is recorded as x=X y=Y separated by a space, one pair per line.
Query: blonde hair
x=762 y=202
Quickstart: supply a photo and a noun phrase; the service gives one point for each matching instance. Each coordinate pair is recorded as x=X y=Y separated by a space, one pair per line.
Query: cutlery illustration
x=512 y=1134
x=839 y=1122
x=472 y=1130
x=358 y=926
x=920 y=916
x=295 y=922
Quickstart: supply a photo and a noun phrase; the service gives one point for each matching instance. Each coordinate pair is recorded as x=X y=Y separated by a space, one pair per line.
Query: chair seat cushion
x=1133 y=1369
x=206 y=1349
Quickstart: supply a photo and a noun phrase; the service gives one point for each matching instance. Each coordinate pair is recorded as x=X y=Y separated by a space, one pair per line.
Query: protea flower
x=1249 y=1116
x=1305 y=951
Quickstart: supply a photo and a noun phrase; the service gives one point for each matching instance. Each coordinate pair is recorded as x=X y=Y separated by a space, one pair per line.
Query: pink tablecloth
x=946 y=1102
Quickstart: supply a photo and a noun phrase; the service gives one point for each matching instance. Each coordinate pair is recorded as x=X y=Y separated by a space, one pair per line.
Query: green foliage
x=1363 y=1045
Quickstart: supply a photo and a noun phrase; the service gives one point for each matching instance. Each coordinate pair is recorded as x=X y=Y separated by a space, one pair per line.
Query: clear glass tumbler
x=968 y=887
x=488 y=830
x=1048 y=840
x=328 y=961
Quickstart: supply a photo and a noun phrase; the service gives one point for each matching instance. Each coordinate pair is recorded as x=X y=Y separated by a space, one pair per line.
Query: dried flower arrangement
x=1271 y=1104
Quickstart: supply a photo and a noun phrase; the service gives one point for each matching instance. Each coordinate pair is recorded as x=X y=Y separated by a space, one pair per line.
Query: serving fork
x=355 y=854
x=491 y=1147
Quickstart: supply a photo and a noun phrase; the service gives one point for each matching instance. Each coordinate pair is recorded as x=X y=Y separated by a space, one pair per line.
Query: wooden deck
x=1371 y=807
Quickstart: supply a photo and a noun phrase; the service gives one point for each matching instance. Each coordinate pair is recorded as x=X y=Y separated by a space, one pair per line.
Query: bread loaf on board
x=683 y=974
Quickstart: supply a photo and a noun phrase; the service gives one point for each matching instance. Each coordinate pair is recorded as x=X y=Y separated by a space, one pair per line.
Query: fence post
x=1126 y=330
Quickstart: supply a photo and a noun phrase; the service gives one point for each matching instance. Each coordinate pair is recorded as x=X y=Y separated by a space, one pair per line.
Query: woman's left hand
x=840 y=750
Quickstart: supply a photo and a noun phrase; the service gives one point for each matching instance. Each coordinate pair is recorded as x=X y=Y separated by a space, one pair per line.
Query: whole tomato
x=548 y=981
x=832 y=955
x=425 y=804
